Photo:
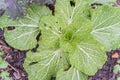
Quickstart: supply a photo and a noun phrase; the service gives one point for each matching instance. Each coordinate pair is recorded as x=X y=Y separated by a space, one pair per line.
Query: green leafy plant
x=116 y=68
x=3 y=65
x=118 y=78
x=5 y=75
x=72 y=45
x=26 y=29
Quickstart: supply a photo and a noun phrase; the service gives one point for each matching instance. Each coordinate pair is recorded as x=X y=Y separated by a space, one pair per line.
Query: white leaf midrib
x=23 y=35
x=81 y=49
x=107 y=27
x=55 y=53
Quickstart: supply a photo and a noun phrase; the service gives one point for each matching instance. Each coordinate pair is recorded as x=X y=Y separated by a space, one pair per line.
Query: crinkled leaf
x=68 y=28
x=106 y=21
x=78 y=31
x=56 y=33
x=88 y=58
x=26 y=29
x=49 y=62
x=71 y=74
x=65 y=27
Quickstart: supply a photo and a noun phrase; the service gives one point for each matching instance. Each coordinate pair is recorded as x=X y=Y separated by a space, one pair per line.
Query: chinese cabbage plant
x=72 y=45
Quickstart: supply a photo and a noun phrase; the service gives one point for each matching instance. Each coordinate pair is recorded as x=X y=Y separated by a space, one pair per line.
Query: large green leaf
x=106 y=21
x=67 y=12
x=71 y=74
x=49 y=62
x=23 y=37
x=88 y=58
